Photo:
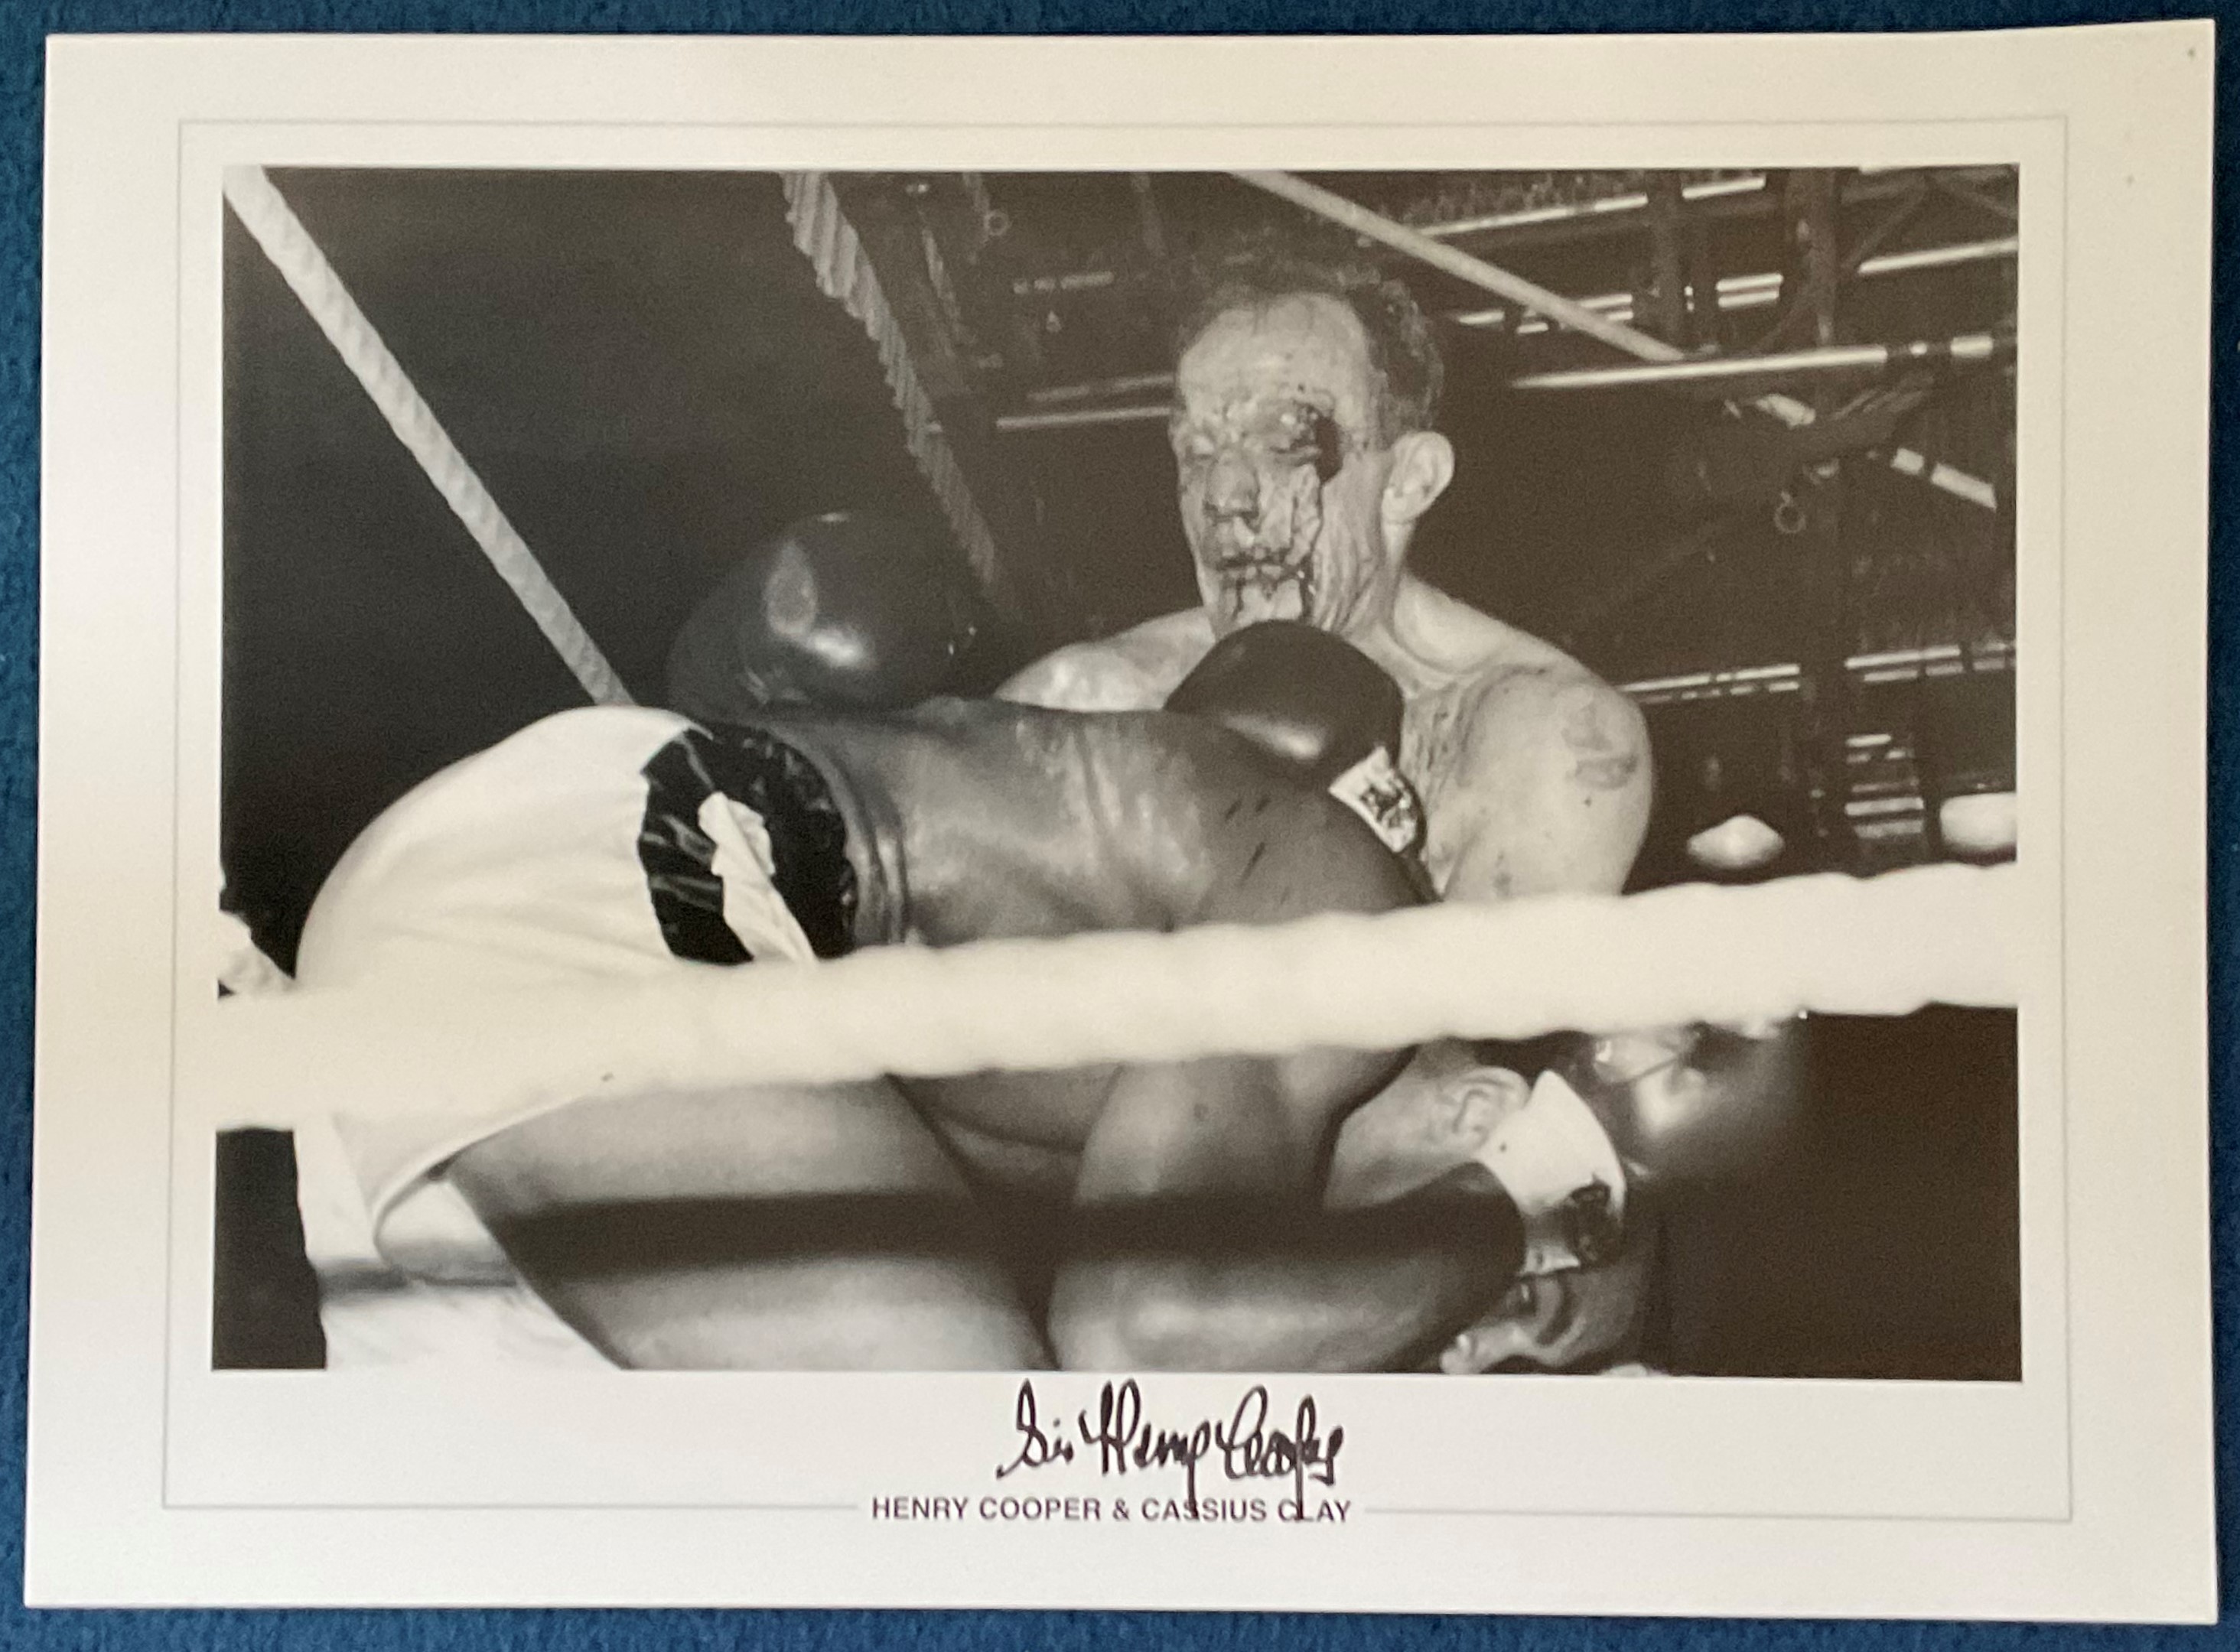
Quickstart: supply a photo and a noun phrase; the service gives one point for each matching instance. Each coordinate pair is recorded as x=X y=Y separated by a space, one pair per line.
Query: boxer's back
x=1018 y=821
x=966 y=821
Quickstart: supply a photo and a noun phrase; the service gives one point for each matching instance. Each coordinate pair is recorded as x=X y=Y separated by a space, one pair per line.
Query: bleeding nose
x=1232 y=489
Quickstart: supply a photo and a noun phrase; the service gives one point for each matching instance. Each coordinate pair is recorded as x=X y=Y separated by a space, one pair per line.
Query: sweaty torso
x=1472 y=686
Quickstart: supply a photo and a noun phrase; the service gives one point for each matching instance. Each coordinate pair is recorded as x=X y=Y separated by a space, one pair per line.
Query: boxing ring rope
x=273 y=225
x=823 y=234
x=1351 y=215
x=1880 y=946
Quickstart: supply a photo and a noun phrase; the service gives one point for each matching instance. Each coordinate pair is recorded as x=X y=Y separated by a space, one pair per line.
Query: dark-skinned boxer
x=854 y=1226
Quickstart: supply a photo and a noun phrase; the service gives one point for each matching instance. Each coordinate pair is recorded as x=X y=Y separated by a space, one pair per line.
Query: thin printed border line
x=2060 y=698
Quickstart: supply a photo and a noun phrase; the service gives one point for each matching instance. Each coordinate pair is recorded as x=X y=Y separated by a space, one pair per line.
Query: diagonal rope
x=273 y=223
x=824 y=236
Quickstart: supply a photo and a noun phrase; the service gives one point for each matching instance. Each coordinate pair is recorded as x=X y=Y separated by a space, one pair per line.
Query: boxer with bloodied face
x=1305 y=460
x=1273 y=434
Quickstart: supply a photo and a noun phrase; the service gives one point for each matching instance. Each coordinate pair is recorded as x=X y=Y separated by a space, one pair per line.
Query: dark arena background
x=654 y=371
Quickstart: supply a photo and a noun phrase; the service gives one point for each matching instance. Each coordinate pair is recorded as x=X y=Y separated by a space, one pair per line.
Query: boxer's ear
x=1423 y=464
x=1482 y=1097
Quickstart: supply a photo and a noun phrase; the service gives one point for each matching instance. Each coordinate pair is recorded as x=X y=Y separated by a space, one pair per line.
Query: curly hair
x=1253 y=273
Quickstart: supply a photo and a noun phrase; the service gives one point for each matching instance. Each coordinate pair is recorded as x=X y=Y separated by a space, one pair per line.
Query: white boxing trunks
x=609 y=843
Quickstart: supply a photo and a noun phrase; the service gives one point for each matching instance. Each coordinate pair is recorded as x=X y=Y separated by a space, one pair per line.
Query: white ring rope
x=1882 y=946
x=268 y=218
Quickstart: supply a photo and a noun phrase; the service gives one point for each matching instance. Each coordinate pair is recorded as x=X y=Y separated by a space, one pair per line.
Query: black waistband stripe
x=808 y=837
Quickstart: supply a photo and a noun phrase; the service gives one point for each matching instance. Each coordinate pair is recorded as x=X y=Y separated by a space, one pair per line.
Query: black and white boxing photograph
x=1262 y=825
x=637 y=578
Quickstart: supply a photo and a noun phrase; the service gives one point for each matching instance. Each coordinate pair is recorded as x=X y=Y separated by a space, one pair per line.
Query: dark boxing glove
x=848 y=609
x=1319 y=705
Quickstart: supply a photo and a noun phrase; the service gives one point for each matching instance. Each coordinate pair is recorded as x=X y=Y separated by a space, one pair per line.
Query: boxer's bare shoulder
x=1134 y=670
x=1534 y=772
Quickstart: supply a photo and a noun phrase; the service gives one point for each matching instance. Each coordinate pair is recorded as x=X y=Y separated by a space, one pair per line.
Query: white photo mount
x=2083 y=1491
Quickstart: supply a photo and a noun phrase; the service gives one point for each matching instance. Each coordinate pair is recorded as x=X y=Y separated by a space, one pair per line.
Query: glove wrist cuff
x=1377 y=791
x=1558 y=1166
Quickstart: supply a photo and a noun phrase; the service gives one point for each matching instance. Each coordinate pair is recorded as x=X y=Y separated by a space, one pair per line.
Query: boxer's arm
x=1553 y=773
x=1551 y=788
x=1550 y=792
x=1201 y=1242
x=790 y=1227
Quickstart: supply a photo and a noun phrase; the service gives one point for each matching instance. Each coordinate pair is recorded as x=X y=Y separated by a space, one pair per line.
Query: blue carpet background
x=24 y=26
